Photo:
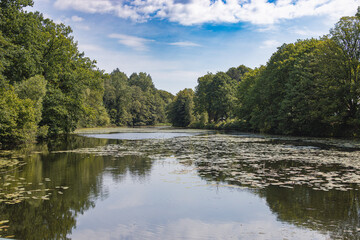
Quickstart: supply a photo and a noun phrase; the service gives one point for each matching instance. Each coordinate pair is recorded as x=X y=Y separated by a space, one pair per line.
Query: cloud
x=90 y=47
x=136 y=43
x=260 y=12
x=270 y=44
x=76 y=19
x=185 y=44
x=305 y=32
x=83 y=27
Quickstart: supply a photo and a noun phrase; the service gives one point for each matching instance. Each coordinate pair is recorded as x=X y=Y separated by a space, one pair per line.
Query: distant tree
x=202 y=98
x=166 y=96
x=215 y=94
x=117 y=97
x=237 y=73
x=134 y=101
x=247 y=97
x=181 y=109
x=142 y=80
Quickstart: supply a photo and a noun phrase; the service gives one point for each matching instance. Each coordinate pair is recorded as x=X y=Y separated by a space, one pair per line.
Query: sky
x=178 y=41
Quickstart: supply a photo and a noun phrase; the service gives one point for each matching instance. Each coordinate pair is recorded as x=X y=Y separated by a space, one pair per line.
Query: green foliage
x=142 y=80
x=181 y=109
x=34 y=89
x=59 y=113
x=41 y=60
x=21 y=109
x=215 y=94
x=17 y=118
x=307 y=88
x=238 y=73
x=310 y=87
x=134 y=101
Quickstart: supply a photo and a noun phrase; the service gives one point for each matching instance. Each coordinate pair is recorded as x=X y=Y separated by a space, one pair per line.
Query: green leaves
x=135 y=101
x=215 y=94
x=181 y=109
x=17 y=118
x=41 y=59
x=310 y=87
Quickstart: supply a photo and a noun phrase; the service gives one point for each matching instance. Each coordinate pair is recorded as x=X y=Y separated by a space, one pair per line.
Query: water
x=212 y=186
x=140 y=136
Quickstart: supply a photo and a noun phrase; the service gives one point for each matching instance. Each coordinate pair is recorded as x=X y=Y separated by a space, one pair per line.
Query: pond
x=180 y=184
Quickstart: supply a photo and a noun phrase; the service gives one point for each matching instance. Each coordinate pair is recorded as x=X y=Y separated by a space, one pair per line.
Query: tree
x=18 y=120
x=343 y=54
x=215 y=94
x=134 y=101
x=34 y=48
x=238 y=73
x=142 y=80
x=246 y=96
x=181 y=109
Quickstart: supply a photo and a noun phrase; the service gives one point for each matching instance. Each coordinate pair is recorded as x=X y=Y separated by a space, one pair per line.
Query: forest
x=48 y=87
x=307 y=88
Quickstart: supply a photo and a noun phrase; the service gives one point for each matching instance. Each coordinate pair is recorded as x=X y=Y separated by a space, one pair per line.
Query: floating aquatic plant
x=253 y=161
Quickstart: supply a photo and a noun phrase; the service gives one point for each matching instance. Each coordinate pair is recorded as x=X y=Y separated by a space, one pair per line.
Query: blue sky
x=177 y=41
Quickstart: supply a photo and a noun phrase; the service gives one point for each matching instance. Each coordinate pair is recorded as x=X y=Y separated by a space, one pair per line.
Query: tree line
x=134 y=100
x=48 y=87
x=310 y=87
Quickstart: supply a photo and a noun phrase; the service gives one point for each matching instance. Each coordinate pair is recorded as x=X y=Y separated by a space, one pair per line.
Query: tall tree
x=181 y=109
x=215 y=94
x=344 y=59
x=237 y=73
x=31 y=45
x=135 y=101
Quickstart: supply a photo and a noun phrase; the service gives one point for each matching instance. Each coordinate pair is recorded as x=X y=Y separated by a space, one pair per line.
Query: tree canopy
x=310 y=87
x=135 y=101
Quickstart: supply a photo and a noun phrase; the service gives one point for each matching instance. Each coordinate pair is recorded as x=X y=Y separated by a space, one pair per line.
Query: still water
x=182 y=185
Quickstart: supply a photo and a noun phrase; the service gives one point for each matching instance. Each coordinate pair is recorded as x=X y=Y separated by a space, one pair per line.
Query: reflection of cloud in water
x=197 y=229
x=128 y=201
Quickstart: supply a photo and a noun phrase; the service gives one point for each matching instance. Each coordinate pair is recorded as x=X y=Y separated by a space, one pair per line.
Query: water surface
x=141 y=135
x=197 y=186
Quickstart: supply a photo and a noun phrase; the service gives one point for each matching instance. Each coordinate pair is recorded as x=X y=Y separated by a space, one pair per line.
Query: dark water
x=188 y=187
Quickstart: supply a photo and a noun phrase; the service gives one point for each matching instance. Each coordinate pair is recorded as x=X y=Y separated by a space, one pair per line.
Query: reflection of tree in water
x=67 y=142
x=82 y=173
x=138 y=167
x=333 y=211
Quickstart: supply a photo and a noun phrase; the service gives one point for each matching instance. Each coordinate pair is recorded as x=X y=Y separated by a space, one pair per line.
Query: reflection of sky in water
x=141 y=135
x=168 y=205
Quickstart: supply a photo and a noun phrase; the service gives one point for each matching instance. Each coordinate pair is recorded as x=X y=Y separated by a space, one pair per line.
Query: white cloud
x=203 y=11
x=306 y=32
x=136 y=43
x=185 y=44
x=82 y=27
x=90 y=47
x=47 y=15
x=270 y=44
x=76 y=19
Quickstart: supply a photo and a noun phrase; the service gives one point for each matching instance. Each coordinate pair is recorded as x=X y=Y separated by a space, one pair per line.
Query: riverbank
x=147 y=129
x=345 y=143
